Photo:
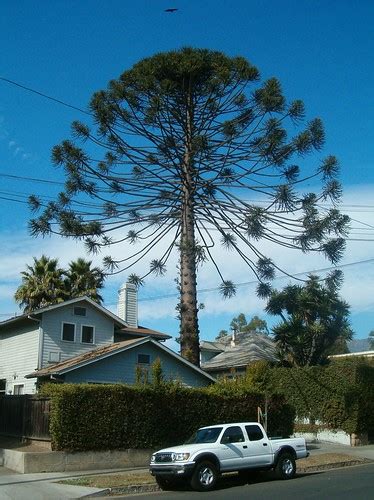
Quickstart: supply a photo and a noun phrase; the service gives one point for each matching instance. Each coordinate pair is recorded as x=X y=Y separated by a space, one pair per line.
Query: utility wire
x=29 y=89
x=243 y=284
x=246 y=283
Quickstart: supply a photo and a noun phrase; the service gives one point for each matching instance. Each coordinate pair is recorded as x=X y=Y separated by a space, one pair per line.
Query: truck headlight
x=153 y=458
x=180 y=457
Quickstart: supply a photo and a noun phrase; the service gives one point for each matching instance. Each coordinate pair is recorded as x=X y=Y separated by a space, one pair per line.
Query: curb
x=152 y=488
x=125 y=490
x=335 y=465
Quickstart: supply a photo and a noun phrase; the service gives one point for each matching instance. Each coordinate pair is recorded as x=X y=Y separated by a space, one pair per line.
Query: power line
x=33 y=179
x=243 y=284
x=246 y=283
x=29 y=89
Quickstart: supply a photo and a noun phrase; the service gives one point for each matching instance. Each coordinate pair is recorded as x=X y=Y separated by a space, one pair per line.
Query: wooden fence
x=25 y=416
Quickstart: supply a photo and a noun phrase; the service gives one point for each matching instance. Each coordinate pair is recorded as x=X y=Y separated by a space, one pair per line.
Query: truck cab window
x=232 y=434
x=254 y=432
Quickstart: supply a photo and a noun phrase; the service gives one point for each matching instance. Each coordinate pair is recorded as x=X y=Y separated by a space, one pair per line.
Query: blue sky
x=320 y=50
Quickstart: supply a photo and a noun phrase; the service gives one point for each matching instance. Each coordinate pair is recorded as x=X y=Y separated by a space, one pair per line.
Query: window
x=68 y=332
x=87 y=336
x=144 y=359
x=233 y=434
x=209 y=435
x=2 y=385
x=79 y=311
x=18 y=389
x=254 y=432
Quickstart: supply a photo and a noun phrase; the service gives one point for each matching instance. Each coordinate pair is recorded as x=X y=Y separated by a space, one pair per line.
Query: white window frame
x=80 y=315
x=62 y=332
x=18 y=385
x=3 y=391
x=93 y=335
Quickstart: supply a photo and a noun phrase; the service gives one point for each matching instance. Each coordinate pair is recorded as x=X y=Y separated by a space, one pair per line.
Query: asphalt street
x=350 y=483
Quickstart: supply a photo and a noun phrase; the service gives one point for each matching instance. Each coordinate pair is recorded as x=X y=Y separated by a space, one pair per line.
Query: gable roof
x=33 y=315
x=208 y=345
x=95 y=355
x=250 y=347
x=359 y=345
x=119 y=322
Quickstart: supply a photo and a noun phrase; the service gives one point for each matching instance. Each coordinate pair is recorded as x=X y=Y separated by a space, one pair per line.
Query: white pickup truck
x=222 y=448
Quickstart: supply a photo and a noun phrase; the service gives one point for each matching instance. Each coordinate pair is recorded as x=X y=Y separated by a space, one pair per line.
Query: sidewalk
x=365 y=452
x=44 y=486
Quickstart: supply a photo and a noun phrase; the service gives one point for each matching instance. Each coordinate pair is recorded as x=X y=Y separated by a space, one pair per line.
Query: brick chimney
x=127 y=308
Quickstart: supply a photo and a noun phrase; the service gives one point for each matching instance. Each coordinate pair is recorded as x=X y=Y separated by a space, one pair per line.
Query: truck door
x=230 y=449
x=259 y=450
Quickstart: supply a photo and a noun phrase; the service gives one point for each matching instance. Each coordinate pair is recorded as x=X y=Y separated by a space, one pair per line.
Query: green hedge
x=100 y=417
x=341 y=395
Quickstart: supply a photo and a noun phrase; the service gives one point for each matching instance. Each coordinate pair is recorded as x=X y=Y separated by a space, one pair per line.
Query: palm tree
x=82 y=279
x=42 y=285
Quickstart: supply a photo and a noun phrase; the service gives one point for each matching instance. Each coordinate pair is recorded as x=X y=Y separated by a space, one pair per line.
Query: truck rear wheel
x=204 y=476
x=286 y=466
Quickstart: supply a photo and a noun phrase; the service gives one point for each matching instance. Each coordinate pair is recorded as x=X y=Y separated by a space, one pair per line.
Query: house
x=231 y=355
x=357 y=348
x=81 y=341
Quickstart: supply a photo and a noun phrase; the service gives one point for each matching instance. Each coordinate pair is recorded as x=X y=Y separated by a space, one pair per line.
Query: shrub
x=340 y=395
x=99 y=417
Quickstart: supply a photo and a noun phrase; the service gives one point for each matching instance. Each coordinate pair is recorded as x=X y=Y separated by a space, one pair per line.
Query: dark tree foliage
x=189 y=148
x=239 y=324
x=44 y=283
x=314 y=320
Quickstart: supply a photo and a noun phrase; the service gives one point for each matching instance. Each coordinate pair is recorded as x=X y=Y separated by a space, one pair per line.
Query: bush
x=340 y=395
x=99 y=417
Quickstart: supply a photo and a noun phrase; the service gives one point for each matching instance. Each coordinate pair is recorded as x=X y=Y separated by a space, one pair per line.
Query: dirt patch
x=328 y=461
x=115 y=480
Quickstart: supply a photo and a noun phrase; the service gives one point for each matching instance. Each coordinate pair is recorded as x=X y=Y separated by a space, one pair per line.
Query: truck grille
x=163 y=457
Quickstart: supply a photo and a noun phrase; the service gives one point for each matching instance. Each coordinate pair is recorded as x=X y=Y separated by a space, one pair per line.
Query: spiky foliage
x=193 y=148
x=42 y=285
x=314 y=321
x=45 y=283
x=83 y=279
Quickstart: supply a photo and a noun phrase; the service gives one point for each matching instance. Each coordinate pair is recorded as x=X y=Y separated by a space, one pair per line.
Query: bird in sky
x=170 y=10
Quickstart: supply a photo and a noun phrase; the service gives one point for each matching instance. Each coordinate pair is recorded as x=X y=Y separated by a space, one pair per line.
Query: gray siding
x=51 y=326
x=121 y=367
x=19 y=356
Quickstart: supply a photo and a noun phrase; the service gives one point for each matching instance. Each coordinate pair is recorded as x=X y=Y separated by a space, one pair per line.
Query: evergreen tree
x=193 y=148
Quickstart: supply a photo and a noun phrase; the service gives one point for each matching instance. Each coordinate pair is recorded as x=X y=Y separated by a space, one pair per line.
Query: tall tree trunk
x=189 y=328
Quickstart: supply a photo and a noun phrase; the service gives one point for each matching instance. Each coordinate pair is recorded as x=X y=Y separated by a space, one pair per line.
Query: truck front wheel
x=286 y=466
x=204 y=476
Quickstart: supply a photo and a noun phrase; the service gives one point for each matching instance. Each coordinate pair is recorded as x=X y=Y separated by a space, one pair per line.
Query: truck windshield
x=209 y=435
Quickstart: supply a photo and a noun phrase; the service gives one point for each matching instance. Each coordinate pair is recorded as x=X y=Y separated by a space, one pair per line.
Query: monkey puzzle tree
x=183 y=148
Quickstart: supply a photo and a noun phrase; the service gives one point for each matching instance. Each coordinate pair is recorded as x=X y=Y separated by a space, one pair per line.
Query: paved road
x=350 y=483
